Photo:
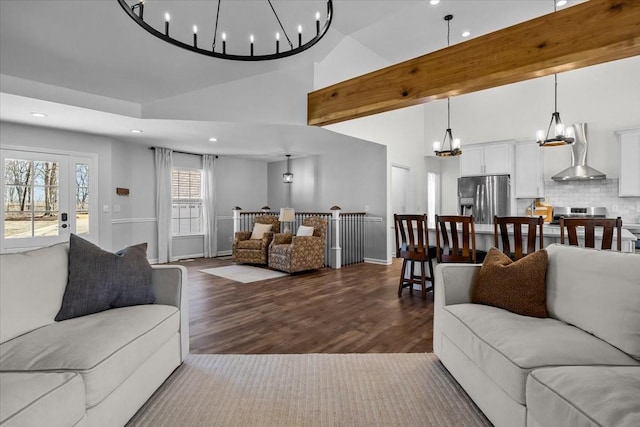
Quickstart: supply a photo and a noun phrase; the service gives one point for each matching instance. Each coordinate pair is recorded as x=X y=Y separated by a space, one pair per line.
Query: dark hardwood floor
x=350 y=310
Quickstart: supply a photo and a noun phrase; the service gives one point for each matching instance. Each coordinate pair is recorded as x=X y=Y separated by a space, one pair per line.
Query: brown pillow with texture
x=515 y=286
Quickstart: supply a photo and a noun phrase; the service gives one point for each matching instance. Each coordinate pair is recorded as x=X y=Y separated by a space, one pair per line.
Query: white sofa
x=578 y=367
x=94 y=370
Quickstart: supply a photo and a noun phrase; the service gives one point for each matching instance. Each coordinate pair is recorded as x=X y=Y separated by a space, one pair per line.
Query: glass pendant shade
x=287 y=177
x=557 y=133
x=448 y=141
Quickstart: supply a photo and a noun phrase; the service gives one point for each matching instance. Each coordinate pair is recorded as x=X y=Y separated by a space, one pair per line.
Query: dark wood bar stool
x=501 y=225
x=458 y=250
x=412 y=245
x=589 y=224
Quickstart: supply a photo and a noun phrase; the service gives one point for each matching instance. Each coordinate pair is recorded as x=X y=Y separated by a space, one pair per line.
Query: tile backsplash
x=589 y=193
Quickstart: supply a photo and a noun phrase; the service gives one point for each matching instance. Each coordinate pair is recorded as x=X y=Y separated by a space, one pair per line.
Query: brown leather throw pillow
x=515 y=286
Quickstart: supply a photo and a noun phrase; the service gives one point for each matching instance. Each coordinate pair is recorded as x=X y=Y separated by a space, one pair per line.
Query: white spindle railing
x=345 y=232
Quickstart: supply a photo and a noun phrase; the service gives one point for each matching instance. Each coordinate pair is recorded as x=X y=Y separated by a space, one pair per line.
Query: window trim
x=176 y=200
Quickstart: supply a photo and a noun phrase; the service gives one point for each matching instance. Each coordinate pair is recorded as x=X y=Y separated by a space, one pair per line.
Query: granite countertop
x=550 y=231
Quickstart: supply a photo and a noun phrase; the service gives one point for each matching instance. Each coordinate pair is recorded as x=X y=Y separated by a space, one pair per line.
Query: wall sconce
x=287 y=177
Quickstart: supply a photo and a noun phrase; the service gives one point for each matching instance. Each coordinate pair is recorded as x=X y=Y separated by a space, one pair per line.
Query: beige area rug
x=409 y=389
x=244 y=273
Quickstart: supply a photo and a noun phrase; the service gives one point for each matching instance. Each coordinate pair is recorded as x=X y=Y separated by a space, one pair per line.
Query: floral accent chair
x=246 y=249
x=299 y=253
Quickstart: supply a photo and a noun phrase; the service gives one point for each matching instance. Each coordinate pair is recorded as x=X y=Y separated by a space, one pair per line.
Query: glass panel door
x=36 y=210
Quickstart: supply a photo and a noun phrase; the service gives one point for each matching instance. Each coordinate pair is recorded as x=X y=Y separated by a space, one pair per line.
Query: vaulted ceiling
x=90 y=47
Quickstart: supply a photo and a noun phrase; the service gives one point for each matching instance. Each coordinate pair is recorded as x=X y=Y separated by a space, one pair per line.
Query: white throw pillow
x=304 y=230
x=259 y=230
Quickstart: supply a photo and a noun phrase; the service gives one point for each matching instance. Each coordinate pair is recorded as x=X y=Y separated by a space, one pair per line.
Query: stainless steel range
x=597 y=212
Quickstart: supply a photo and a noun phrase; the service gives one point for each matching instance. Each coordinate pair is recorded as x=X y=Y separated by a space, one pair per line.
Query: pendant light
x=453 y=144
x=557 y=133
x=287 y=177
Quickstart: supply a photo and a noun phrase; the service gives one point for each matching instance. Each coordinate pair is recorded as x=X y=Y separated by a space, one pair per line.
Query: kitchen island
x=484 y=237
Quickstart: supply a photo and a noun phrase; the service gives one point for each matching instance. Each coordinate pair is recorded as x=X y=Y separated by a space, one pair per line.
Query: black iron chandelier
x=454 y=144
x=557 y=133
x=241 y=51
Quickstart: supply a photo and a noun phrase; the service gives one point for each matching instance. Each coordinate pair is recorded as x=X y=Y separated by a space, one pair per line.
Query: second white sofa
x=578 y=367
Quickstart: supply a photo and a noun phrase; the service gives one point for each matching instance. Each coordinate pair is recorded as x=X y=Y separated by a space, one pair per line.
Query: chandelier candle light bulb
x=251 y=40
x=136 y=8
x=224 y=43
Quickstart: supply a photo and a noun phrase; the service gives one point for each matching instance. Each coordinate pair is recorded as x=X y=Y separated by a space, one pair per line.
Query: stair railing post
x=236 y=219
x=336 y=250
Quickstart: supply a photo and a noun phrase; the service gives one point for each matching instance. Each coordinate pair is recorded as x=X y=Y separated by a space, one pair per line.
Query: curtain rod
x=182 y=152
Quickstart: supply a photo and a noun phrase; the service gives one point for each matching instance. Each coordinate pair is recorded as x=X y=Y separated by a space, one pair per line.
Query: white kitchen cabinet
x=529 y=168
x=487 y=159
x=629 y=183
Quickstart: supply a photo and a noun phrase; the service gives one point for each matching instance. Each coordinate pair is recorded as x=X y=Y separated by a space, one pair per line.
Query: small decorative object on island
x=454 y=144
x=243 y=11
x=556 y=134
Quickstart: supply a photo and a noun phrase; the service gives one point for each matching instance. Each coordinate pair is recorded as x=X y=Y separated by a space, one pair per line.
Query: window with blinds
x=186 y=188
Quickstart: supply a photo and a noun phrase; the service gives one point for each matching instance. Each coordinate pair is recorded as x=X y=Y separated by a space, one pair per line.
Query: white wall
x=267 y=98
x=240 y=182
x=606 y=96
x=352 y=175
x=402 y=132
x=132 y=219
x=58 y=140
x=133 y=168
x=360 y=60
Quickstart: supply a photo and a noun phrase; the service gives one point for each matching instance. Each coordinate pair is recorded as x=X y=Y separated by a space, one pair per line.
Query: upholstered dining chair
x=252 y=247
x=590 y=225
x=304 y=251
x=506 y=226
x=412 y=245
x=452 y=247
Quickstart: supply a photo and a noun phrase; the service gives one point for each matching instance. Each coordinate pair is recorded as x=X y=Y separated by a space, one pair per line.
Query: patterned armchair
x=255 y=251
x=298 y=253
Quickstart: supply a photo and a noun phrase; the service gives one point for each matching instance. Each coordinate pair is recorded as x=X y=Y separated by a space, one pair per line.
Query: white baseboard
x=181 y=257
x=224 y=253
x=377 y=261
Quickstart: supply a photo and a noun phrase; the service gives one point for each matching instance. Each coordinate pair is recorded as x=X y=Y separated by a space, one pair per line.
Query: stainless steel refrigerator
x=484 y=196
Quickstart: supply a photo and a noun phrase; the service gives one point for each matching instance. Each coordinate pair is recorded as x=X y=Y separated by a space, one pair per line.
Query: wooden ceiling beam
x=589 y=33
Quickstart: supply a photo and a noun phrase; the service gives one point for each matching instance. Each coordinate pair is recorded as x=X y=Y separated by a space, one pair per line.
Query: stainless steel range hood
x=579 y=170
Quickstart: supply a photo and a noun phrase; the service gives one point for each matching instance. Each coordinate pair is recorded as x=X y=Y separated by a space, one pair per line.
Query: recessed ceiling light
x=561 y=3
x=136 y=131
x=35 y=114
x=434 y=2
x=466 y=34
x=213 y=139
